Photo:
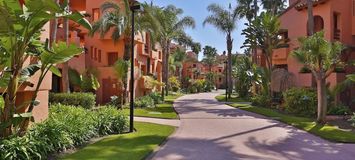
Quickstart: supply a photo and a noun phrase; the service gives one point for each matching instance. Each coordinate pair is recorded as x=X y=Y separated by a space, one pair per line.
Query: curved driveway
x=210 y=130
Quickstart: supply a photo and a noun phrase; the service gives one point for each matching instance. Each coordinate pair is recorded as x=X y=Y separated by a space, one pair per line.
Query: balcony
x=280 y=55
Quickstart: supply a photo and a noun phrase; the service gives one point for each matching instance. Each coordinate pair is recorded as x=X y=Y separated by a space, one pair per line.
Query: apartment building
x=101 y=53
x=194 y=69
x=337 y=19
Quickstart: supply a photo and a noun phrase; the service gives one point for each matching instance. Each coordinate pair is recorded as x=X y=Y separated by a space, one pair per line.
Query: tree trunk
x=167 y=68
x=229 y=66
x=65 y=76
x=55 y=29
x=322 y=100
x=126 y=57
x=310 y=26
x=164 y=69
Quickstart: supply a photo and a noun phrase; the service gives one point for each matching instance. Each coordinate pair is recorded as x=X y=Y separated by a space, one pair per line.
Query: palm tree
x=321 y=57
x=275 y=7
x=118 y=19
x=310 y=25
x=225 y=21
x=121 y=69
x=245 y=9
x=65 y=68
x=210 y=54
x=172 y=28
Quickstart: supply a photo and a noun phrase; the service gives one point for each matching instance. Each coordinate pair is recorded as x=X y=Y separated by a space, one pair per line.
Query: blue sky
x=207 y=35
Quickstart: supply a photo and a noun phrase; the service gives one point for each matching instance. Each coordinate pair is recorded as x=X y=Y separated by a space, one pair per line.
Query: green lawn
x=234 y=98
x=132 y=146
x=331 y=133
x=164 y=110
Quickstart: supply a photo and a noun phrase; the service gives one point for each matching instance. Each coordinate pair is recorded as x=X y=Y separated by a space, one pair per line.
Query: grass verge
x=131 y=146
x=164 y=110
x=234 y=98
x=328 y=132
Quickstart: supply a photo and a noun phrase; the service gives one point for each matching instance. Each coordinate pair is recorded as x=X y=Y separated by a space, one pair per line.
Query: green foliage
x=174 y=84
x=156 y=97
x=261 y=100
x=352 y=120
x=110 y=121
x=199 y=84
x=86 y=82
x=242 y=73
x=301 y=101
x=86 y=100
x=144 y=102
x=115 y=101
x=65 y=128
x=339 y=110
x=19 y=39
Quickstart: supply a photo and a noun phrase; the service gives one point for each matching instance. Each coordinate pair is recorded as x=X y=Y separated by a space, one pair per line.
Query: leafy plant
x=339 y=110
x=144 y=102
x=86 y=100
x=301 y=101
x=321 y=57
x=66 y=127
x=19 y=40
x=86 y=82
x=174 y=84
x=156 y=97
x=261 y=100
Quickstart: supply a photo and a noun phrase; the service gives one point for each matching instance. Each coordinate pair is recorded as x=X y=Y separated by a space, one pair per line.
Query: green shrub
x=115 y=101
x=65 y=128
x=86 y=100
x=300 y=101
x=352 y=120
x=174 y=84
x=109 y=121
x=261 y=101
x=208 y=86
x=339 y=110
x=199 y=84
x=192 y=89
x=143 y=102
x=156 y=97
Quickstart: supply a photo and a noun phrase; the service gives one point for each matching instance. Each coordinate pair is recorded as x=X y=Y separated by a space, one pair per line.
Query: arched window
x=318 y=24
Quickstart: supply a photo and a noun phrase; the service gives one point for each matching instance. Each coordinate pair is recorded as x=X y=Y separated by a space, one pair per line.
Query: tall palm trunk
x=167 y=48
x=229 y=66
x=126 y=57
x=65 y=69
x=54 y=29
x=310 y=17
x=164 y=69
x=322 y=100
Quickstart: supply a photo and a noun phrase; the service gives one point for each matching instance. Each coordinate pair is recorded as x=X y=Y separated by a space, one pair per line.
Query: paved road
x=210 y=130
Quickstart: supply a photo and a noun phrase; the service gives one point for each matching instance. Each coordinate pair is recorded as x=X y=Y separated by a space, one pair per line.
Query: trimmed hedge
x=86 y=100
x=65 y=128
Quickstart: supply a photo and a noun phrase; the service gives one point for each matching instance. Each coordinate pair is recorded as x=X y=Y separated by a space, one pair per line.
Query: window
x=336 y=26
x=112 y=57
x=99 y=56
x=95 y=14
x=318 y=24
x=220 y=79
x=219 y=70
x=92 y=52
x=95 y=54
x=194 y=65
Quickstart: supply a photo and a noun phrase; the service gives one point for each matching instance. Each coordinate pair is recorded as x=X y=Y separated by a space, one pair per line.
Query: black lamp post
x=136 y=7
x=226 y=72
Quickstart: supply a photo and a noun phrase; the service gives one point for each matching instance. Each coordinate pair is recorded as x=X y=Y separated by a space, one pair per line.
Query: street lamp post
x=226 y=72
x=134 y=8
